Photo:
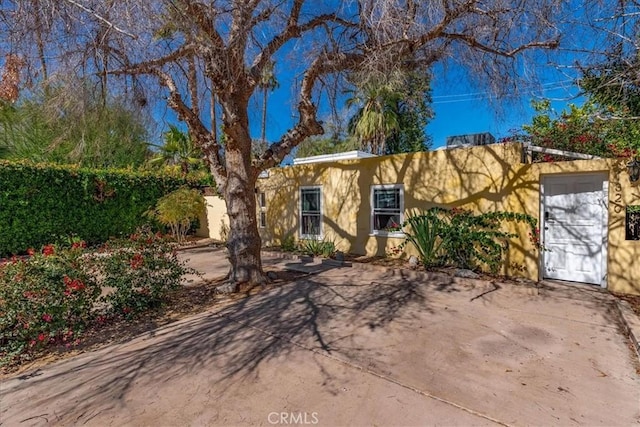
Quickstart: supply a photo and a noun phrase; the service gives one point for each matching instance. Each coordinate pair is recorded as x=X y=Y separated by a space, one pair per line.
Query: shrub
x=288 y=243
x=42 y=204
x=46 y=298
x=425 y=233
x=178 y=211
x=459 y=237
x=52 y=296
x=139 y=272
x=317 y=247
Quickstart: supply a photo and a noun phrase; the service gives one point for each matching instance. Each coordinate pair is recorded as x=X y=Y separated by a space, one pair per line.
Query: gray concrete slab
x=352 y=346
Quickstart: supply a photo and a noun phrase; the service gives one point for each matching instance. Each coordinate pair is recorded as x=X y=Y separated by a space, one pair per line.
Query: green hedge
x=44 y=203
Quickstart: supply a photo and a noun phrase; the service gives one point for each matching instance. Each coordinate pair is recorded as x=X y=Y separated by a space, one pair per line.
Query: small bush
x=179 y=210
x=318 y=247
x=288 y=243
x=139 y=272
x=44 y=299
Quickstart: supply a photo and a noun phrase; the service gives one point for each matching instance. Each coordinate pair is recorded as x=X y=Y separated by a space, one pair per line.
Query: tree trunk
x=244 y=240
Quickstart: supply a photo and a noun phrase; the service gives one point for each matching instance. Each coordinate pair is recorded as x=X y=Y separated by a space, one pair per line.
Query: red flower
x=47 y=317
x=41 y=337
x=48 y=250
x=78 y=245
x=137 y=261
x=72 y=285
x=31 y=252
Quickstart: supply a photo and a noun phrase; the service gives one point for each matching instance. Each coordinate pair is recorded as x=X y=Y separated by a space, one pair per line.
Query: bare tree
x=611 y=73
x=227 y=45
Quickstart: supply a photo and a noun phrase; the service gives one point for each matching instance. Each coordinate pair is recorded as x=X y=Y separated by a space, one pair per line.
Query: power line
x=477 y=96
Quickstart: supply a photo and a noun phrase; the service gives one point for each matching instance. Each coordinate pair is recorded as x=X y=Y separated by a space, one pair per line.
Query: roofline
x=347 y=155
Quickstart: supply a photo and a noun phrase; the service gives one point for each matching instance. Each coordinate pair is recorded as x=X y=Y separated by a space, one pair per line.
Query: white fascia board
x=347 y=155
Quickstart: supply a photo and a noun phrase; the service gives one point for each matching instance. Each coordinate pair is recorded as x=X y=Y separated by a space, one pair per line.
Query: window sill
x=396 y=234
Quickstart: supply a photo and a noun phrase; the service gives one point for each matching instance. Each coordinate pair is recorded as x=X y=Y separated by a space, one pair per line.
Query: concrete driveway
x=353 y=346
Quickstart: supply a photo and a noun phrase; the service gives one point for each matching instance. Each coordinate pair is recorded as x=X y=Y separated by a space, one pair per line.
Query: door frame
x=604 y=175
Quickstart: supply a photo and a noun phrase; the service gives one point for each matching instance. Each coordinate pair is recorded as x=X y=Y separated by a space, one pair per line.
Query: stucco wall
x=487 y=178
x=215 y=224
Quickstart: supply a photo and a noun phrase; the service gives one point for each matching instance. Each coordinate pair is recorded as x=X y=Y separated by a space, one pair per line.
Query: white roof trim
x=347 y=155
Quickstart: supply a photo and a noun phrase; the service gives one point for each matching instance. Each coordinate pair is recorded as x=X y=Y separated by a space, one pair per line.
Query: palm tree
x=267 y=83
x=377 y=116
x=178 y=149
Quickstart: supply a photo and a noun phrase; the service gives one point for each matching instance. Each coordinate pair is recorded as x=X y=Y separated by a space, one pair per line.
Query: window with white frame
x=310 y=211
x=387 y=209
x=262 y=210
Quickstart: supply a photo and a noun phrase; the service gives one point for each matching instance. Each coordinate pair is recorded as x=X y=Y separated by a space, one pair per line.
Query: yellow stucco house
x=588 y=225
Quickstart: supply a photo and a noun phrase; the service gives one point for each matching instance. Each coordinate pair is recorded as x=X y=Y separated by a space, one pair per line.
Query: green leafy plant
x=425 y=232
x=45 y=298
x=591 y=129
x=461 y=238
x=288 y=243
x=41 y=201
x=50 y=297
x=139 y=271
x=178 y=211
x=317 y=247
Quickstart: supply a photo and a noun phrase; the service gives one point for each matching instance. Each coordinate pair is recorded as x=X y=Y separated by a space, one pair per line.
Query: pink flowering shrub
x=51 y=296
x=45 y=298
x=139 y=272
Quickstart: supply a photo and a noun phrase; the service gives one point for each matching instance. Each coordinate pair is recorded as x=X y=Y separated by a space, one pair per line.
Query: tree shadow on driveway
x=224 y=347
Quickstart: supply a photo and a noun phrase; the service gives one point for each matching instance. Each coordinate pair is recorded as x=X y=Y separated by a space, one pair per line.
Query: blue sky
x=463 y=110
x=459 y=108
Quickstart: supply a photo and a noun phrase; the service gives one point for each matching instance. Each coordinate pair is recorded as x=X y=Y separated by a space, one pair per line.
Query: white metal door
x=575 y=231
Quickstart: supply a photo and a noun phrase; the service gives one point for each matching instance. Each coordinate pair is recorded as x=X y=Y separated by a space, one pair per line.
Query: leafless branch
x=102 y=19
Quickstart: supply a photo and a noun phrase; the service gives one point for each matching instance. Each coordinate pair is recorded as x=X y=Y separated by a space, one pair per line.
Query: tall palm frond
x=178 y=150
x=376 y=118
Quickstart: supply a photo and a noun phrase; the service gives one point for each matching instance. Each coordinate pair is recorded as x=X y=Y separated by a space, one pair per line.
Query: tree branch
x=474 y=43
x=210 y=147
x=197 y=12
x=185 y=51
x=102 y=19
x=308 y=124
x=293 y=30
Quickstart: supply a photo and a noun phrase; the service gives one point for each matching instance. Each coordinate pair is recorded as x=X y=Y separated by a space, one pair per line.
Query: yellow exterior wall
x=215 y=224
x=486 y=178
